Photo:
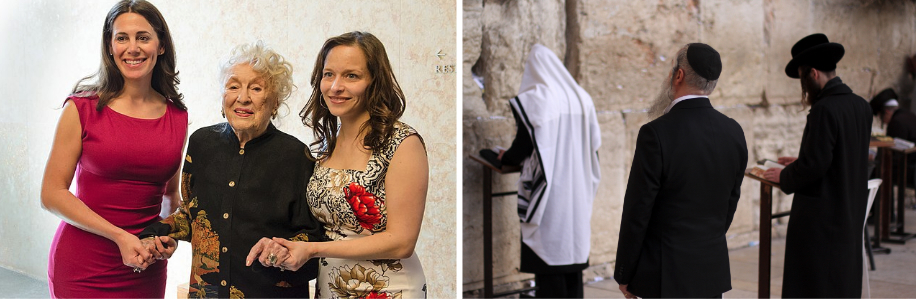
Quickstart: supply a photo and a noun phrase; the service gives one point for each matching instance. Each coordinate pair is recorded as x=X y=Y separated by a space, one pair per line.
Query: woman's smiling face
x=134 y=46
x=344 y=80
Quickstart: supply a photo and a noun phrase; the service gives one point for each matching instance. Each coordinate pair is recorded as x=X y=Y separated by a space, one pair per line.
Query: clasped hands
x=772 y=174
x=270 y=252
x=280 y=253
x=141 y=253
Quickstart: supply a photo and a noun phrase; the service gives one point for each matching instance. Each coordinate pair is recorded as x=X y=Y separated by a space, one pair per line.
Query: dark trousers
x=562 y=285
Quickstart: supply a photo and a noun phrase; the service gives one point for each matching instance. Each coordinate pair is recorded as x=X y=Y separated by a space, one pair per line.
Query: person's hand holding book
x=772 y=174
x=786 y=160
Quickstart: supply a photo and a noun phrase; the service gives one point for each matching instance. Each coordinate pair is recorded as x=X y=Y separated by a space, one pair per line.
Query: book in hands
x=762 y=167
x=492 y=155
x=901 y=144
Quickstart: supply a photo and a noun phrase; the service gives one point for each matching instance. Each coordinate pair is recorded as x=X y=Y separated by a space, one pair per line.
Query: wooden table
x=885 y=193
x=488 y=195
x=766 y=216
x=899 y=236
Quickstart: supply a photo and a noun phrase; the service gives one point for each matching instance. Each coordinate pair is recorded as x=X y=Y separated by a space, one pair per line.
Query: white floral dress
x=350 y=204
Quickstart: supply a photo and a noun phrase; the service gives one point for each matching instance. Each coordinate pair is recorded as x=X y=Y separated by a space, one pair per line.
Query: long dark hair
x=108 y=79
x=384 y=98
x=810 y=89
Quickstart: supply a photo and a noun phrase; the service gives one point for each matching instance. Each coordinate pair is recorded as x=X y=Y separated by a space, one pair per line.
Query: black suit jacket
x=681 y=197
x=829 y=179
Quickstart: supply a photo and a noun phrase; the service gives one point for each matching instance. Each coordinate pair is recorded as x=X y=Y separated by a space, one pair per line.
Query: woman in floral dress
x=372 y=222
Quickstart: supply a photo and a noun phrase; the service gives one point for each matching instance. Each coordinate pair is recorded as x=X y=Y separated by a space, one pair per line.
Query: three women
x=121 y=137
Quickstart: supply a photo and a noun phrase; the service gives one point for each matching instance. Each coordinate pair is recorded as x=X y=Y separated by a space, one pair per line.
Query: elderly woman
x=373 y=222
x=241 y=181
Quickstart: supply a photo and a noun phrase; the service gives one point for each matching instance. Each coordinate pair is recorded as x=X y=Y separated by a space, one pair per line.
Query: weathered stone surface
x=478 y=134
x=608 y=204
x=472 y=94
x=628 y=46
x=733 y=29
x=510 y=28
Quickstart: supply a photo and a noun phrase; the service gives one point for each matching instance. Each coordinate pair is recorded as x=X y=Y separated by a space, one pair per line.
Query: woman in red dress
x=121 y=138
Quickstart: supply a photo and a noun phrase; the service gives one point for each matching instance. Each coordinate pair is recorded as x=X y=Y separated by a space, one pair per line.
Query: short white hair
x=272 y=67
x=691 y=77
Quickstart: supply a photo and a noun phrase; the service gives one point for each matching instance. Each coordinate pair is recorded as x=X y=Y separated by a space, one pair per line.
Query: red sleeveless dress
x=121 y=175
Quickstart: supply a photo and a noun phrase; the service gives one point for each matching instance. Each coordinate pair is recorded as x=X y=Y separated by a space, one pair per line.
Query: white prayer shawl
x=560 y=179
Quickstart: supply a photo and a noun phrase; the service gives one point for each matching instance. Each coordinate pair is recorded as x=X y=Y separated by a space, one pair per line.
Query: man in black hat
x=829 y=179
x=683 y=189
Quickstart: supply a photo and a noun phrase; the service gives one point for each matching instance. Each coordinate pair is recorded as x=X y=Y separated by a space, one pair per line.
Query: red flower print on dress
x=377 y=295
x=363 y=204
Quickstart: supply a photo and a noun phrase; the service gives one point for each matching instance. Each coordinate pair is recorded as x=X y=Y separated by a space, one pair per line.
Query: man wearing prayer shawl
x=556 y=144
x=683 y=188
x=829 y=179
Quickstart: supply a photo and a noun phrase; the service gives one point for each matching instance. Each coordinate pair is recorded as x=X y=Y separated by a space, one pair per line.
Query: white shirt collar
x=678 y=100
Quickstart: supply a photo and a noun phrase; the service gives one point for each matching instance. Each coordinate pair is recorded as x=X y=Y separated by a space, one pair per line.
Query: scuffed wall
x=620 y=51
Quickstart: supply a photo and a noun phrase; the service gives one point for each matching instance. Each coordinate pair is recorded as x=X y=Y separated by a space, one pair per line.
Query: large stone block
x=608 y=205
x=896 y=39
x=472 y=36
x=510 y=28
x=733 y=29
x=632 y=121
x=627 y=48
x=785 y=22
x=479 y=134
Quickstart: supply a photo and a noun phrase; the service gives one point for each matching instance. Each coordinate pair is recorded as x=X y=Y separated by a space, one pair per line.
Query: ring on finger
x=272 y=259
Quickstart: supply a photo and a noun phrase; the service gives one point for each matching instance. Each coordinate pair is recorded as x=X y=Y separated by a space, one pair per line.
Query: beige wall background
x=620 y=51
x=46 y=46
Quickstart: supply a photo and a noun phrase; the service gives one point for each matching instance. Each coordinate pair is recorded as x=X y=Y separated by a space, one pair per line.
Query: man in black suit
x=829 y=179
x=683 y=188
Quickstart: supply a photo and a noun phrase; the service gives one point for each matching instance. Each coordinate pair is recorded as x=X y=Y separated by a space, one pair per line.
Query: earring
x=274 y=115
x=221 y=111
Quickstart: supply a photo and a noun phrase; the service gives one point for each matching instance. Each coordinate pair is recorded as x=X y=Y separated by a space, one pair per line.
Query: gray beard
x=662 y=100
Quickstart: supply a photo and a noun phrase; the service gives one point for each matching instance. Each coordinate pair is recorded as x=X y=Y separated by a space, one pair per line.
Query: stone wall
x=620 y=51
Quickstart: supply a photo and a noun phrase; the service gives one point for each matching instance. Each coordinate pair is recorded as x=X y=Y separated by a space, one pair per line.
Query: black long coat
x=681 y=197
x=829 y=179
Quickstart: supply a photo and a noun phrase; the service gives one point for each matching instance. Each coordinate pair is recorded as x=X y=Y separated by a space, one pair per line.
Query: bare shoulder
x=411 y=151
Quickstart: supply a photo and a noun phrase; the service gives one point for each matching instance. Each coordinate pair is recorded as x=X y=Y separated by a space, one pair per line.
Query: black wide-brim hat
x=814 y=51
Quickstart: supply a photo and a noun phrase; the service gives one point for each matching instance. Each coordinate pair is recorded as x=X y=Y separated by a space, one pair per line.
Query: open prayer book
x=900 y=144
x=762 y=167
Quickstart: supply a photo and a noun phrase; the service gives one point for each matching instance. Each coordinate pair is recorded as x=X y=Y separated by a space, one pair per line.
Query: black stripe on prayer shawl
x=540 y=176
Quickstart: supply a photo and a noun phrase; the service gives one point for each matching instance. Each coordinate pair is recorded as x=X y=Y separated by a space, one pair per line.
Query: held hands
x=269 y=253
x=281 y=253
x=133 y=252
x=300 y=252
x=161 y=247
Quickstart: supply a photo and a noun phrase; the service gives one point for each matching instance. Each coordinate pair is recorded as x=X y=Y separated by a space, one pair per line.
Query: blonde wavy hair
x=272 y=67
